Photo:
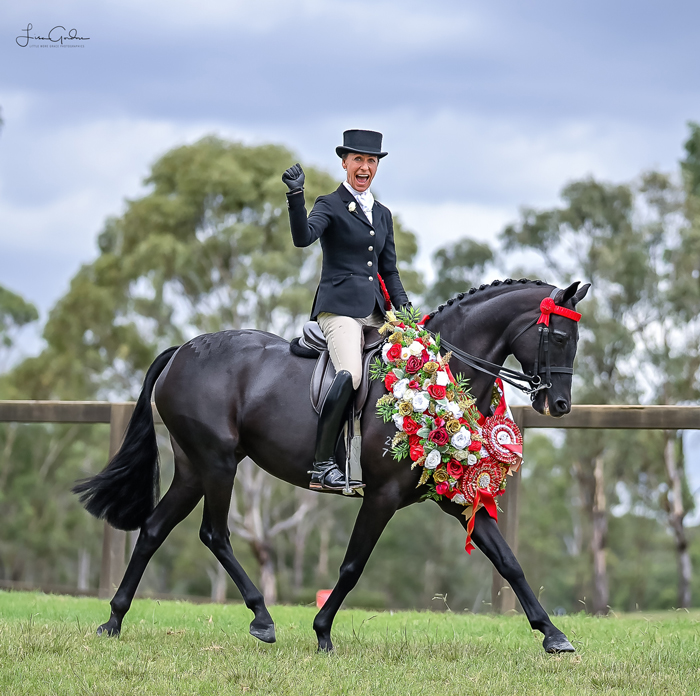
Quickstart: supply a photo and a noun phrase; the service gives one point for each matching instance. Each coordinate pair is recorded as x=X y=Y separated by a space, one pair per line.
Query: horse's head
x=546 y=349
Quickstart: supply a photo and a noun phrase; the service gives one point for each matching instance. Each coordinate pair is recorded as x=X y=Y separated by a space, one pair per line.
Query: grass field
x=48 y=646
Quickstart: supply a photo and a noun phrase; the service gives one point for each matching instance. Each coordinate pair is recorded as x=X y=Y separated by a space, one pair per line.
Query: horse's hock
x=634 y=417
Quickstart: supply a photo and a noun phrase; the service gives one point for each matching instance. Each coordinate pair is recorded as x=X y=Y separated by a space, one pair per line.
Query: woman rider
x=357 y=239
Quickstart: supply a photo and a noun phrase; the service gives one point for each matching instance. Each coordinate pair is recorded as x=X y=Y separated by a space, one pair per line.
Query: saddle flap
x=323 y=375
x=321 y=380
x=324 y=370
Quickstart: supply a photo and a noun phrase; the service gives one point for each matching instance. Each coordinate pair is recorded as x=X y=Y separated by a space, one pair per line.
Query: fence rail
x=117 y=415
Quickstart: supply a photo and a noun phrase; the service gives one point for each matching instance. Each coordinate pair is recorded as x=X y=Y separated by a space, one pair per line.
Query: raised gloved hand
x=294 y=177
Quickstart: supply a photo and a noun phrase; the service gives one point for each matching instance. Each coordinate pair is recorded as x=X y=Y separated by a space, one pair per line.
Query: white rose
x=400 y=388
x=432 y=461
x=405 y=353
x=426 y=384
x=461 y=439
x=420 y=401
x=471 y=459
x=398 y=421
x=455 y=410
x=459 y=499
x=415 y=348
x=385 y=350
x=408 y=396
x=441 y=378
x=432 y=355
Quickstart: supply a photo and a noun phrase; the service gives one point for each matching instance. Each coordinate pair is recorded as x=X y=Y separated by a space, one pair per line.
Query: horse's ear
x=580 y=294
x=569 y=293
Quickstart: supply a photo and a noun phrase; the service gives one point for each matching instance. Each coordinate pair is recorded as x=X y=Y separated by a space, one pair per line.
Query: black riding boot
x=326 y=475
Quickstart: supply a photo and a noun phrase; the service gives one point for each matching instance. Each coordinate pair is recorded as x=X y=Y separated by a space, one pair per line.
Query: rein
x=542 y=363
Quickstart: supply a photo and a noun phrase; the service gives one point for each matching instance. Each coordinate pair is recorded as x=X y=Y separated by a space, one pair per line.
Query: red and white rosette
x=480 y=484
x=503 y=440
x=486 y=475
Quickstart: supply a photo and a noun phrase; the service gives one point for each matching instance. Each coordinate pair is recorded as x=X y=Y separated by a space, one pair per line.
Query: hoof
x=264 y=633
x=107 y=630
x=558 y=644
x=325 y=646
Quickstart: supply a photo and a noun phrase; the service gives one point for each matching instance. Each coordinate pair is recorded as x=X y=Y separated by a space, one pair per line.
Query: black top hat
x=363 y=141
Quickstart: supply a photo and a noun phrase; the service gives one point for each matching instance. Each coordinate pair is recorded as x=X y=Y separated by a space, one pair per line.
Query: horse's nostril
x=562 y=405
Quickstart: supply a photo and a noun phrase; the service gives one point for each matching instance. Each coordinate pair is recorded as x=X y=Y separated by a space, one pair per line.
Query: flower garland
x=465 y=456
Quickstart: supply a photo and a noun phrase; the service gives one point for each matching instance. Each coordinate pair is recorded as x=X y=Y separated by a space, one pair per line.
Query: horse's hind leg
x=183 y=494
x=214 y=534
x=487 y=537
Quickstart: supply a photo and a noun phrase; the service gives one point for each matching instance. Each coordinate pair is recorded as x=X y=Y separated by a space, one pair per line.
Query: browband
x=548 y=307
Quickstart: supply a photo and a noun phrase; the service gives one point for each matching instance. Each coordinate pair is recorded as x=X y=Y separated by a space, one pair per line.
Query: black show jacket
x=354 y=250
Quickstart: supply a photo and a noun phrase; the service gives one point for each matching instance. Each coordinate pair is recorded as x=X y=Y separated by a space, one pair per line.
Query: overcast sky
x=485 y=106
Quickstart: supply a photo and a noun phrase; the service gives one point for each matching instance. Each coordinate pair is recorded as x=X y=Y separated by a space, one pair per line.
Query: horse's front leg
x=487 y=537
x=378 y=507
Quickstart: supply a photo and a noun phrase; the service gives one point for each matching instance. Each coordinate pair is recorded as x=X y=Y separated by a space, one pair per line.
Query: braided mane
x=472 y=291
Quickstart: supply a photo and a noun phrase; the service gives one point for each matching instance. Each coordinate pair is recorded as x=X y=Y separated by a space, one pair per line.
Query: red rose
x=442 y=488
x=439 y=422
x=413 y=440
x=424 y=357
x=475 y=446
x=437 y=391
x=394 y=352
x=416 y=453
x=439 y=436
x=451 y=494
x=413 y=365
x=454 y=469
x=390 y=380
x=409 y=425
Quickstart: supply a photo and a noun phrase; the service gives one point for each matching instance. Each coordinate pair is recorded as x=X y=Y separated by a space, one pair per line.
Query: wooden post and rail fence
x=503 y=599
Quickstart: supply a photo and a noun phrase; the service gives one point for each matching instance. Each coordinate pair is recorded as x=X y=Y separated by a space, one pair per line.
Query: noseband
x=533 y=383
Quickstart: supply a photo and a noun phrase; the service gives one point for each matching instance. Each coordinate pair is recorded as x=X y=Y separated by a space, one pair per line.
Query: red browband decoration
x=548 y=307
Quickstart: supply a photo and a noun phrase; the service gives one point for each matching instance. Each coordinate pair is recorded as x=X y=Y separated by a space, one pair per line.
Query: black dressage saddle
x=312 y=344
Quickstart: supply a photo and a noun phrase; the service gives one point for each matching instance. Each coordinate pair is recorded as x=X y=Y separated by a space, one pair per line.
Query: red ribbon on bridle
x=548 y=307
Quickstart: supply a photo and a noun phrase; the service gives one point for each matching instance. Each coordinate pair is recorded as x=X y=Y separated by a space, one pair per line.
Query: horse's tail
x=126 y=491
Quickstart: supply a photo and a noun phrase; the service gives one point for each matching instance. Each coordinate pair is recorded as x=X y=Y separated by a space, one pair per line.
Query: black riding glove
x=294 y=178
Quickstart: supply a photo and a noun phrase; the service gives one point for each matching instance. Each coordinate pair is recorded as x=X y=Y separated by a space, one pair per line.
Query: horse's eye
x=559 y=337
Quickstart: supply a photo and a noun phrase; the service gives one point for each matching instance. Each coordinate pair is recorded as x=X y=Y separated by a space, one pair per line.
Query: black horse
x=233 y=394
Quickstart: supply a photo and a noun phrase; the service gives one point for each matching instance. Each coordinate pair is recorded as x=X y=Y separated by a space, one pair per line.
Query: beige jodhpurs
x=344 y=338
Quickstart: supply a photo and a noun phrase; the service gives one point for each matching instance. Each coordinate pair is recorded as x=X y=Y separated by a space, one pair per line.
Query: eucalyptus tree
x=457 y=267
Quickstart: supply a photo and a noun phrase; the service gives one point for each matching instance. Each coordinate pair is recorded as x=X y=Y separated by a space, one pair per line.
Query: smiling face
x=361 y=169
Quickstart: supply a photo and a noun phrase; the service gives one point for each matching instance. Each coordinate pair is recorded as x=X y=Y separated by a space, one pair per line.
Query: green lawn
x=48 y=646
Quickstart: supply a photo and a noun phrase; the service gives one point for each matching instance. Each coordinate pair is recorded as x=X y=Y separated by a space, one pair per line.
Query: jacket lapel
x=348 y=198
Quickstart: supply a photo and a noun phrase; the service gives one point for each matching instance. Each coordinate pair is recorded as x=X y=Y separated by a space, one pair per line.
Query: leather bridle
x=532 y=382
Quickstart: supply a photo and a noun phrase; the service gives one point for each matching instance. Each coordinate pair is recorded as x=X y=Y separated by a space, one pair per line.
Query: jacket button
x=370 y=278
x=369 y=263
x=370 y=248
x=371 y=232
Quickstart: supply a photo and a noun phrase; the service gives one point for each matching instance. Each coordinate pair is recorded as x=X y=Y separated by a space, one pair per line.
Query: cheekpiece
x=365 y=142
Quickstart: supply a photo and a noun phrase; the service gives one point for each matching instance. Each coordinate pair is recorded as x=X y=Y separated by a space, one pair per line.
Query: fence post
x=502 y=596
x=114 y=540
